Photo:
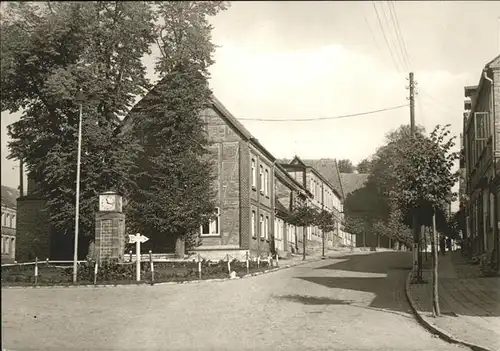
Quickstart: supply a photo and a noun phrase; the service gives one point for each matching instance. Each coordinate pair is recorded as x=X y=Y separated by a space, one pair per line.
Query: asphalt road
x=354 y=302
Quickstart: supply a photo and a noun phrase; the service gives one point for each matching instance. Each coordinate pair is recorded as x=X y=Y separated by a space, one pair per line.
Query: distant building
x=9 y=220
x=326 y=189
x=481 y=152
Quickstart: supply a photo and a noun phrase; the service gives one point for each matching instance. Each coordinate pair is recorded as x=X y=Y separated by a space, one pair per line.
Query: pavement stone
x=470 y=304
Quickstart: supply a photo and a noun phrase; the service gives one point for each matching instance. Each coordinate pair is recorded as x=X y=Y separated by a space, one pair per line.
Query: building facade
x=324 y=196
x=481 y=152
x=9 y=223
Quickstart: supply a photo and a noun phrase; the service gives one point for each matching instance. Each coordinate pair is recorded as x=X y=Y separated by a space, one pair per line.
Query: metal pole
x=77 y=214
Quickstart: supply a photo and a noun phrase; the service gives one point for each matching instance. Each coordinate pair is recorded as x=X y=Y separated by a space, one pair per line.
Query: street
x=354 y=302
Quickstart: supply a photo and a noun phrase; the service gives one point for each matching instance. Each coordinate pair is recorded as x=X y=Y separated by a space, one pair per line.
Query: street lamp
x=79 y=98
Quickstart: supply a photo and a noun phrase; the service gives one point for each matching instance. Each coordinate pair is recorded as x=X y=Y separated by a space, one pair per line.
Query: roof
x=9 y=196
x=353 y=181
x=328 y=169
x=223 y=111
x=280 y=207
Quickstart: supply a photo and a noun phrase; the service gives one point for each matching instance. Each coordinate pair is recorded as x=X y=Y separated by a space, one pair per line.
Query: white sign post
x=137 y=239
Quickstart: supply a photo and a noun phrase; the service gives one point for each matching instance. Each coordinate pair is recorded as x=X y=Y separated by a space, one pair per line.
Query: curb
x=197 y=281
x=434 y=329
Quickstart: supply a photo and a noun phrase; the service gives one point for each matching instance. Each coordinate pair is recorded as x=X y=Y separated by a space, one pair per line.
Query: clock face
x=107 y=203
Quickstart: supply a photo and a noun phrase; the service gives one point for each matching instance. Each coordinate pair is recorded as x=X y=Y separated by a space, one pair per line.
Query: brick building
x=248 y=215
x=9 y=220
x=481 y=134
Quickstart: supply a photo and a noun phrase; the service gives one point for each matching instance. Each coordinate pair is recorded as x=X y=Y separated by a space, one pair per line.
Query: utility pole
x=415 y=226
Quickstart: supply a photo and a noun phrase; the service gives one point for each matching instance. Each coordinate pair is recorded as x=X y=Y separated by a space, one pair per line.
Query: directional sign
x=137 y=238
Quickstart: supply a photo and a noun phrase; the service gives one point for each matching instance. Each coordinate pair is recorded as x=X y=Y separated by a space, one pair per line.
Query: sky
x=300 y=60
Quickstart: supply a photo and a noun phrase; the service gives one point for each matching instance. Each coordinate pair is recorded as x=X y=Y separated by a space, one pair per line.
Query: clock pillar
x=109 y=241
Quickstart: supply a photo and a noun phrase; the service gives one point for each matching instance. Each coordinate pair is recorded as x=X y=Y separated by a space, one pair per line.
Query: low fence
x=151 y=268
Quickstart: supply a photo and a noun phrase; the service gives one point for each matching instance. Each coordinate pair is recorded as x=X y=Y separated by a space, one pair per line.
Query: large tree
x=345 y=166
x=51 y=50
x=174 y=193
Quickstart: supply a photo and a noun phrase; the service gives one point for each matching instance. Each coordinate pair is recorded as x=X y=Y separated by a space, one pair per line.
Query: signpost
x=137 y=239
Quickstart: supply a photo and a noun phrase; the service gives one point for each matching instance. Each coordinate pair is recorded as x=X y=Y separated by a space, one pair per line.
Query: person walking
x=442 y=245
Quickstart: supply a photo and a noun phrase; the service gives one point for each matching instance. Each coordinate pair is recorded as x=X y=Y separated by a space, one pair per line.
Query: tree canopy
x=345 y=166
x=52 y=50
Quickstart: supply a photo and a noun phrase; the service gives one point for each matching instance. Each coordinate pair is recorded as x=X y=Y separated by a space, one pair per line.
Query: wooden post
x=277 y=259
x=269 y=260
x=130 y=255
x=36 y=270
x=248 y=264
x=152 y=267
x=96 y=268
x=228 y=264
x=199 y=267
x=258 y=262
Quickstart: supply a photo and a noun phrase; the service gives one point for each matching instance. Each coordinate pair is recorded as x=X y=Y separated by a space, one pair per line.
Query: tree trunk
x=180 y=247
x=425 y=243
x=364 y=239
x=323 y=243
x=415 y=244
x=435 y=294
x=420 y=244
x=378 y=240
x=304 y=239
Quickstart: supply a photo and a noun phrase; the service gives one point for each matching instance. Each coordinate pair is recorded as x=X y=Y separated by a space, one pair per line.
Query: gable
x=9 y=197
x=328 y=169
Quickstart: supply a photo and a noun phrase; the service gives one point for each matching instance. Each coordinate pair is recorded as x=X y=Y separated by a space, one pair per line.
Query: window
x=212 y=227
x=254 y=174
x=266 y=228
x=262 y=226
x=311 y=186
x=276 y=228
x=481 y=126
x=266 y=183
x=254 y=224
x=13 y=221
x=261 y=179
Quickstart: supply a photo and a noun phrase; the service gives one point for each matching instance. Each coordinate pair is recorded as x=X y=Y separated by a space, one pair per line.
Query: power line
x=385 y=37
x=398 y=53
x=400 y=33
x=322 y=118
x=399 y=39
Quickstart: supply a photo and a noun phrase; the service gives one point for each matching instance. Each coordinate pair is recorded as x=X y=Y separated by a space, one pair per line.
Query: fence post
x=269 y=260
x=130 y=255
x=258 y=262
x=228 y=265
x=96 y=268
x=277 y=259
x=199 y=267
x=248 y=264
x=47 y=261
x=36 y=270
x=152 y=267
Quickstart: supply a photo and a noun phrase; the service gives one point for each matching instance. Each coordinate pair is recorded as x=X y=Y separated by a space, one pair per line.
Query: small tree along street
x=424 y=182
x=303 y=216
x=326 y=222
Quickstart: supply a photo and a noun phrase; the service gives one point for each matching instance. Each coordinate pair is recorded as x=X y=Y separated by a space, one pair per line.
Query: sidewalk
x=470 y=304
